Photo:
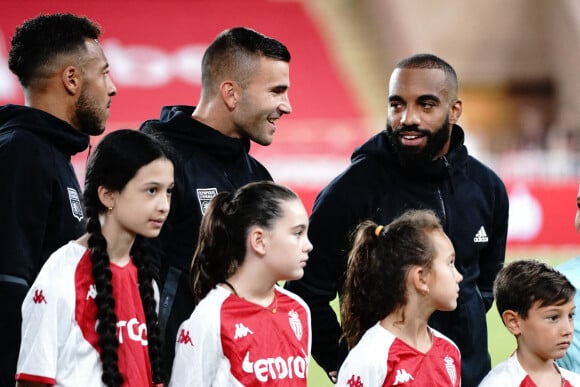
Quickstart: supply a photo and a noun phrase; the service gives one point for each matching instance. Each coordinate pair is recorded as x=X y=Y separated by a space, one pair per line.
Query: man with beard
x=245 y=78
x=67 y=91
x=419 y=162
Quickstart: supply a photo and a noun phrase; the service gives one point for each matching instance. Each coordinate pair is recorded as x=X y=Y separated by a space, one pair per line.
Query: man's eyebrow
x=428 y=97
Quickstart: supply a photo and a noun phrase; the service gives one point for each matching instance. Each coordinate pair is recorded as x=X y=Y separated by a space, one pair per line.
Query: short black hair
x=520 y=284
x=430 y=61
x=233 y=52
x=38 y=41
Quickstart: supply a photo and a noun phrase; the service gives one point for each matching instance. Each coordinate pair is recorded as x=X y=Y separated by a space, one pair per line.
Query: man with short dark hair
x=419 y=162
x=67 y=90
x=244 y=91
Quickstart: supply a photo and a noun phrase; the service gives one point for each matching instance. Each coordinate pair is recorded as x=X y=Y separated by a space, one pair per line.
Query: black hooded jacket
x=40 y=191
x=472 y=204
x=41 y=211
x=206 y=163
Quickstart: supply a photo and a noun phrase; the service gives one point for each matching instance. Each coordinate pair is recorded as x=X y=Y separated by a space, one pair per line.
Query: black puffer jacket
x=472 y=204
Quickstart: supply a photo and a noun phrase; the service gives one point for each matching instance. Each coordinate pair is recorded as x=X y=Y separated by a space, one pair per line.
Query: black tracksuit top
x=40 y=192
x=206 y=163
x=467 y=196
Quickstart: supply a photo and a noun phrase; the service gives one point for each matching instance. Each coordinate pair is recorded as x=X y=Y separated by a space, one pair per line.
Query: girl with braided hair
x=396 y=277
x=247 y=331
x=90 y=318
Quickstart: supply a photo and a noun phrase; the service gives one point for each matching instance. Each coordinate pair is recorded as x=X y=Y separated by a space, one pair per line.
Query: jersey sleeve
x=357 y=370
x=198 y=349
x=46 y=323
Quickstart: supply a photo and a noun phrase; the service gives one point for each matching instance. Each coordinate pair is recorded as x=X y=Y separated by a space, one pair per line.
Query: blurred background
x=517 y=62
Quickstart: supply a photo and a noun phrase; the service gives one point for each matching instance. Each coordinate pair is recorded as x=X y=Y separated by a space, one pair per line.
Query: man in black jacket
x=244 y=91
x=419 y=162
x=67 y=90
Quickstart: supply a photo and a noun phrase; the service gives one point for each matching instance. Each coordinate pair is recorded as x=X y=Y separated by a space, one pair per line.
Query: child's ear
x=511 y=320
x=256 y=240
x=106 y=196
x=419 y=278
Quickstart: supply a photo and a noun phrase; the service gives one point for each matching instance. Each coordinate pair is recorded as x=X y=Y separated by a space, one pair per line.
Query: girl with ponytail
x=90 y=317
x=397 y=276
x=247 y=330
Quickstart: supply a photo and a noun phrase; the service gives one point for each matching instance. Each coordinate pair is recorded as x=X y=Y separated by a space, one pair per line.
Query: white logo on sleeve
x=481 y=236
x=242 y=331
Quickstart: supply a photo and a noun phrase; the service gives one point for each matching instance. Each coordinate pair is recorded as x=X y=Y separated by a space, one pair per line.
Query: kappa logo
x=38 y=297
x=295 y=324
x=352 y=382
x=481 y=236
x=402 y=377
x=184 y=338
x=204 y=195
x=276 y=367
x=75 y=203
x=242 y=331
x=92 y=293
x=450 y=367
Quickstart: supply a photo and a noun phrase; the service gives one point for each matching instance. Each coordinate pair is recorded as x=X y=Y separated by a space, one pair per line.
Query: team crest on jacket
x=450 y=367
x=295 y=323
x=204 y=195
x=75 y=203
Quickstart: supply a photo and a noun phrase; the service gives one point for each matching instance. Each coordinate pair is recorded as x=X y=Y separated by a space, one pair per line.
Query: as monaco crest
x=450 y=366
x=75 y=203
x=295 y=324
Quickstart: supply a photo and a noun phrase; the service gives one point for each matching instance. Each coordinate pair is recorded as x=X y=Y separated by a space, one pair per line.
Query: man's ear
x=511 y=320
x=455 y=111
x=230 y=93
x=256 y=240
x=71 y=79
x=106 y=196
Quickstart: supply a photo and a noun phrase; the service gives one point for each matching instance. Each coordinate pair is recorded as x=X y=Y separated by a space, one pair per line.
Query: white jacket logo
x=276 y=368
x=75 y=203
x=204 y=195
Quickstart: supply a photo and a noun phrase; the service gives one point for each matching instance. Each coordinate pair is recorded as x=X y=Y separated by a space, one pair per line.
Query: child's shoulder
x=508 y=373
x=571 y=377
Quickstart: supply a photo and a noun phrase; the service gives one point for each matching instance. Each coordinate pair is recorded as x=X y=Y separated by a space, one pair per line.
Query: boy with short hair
x=536 y=304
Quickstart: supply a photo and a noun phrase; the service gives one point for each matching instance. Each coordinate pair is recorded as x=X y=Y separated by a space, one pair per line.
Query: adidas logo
x=481 y=236
x=242 y=331
x=402 y=377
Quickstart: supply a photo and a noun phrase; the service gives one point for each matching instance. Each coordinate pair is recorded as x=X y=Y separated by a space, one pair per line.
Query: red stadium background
x=155 y=49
